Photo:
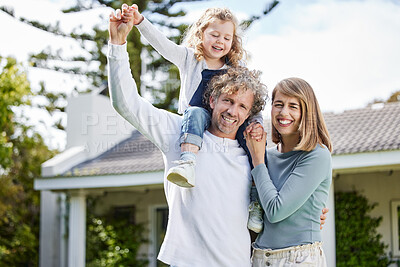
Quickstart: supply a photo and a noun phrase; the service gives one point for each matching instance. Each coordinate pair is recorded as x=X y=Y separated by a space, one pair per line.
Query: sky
x=348 y=50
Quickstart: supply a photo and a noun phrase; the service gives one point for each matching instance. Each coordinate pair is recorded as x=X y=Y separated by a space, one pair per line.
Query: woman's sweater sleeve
x=303 y=180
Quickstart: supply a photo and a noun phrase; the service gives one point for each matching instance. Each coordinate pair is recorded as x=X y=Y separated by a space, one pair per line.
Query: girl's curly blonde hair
x=194 y=35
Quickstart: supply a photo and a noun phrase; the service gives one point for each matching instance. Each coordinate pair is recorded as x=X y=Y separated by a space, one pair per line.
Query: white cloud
x=348 y=51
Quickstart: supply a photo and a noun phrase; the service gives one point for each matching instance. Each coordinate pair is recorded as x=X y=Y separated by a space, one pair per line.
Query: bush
x=357 y=241
x=112 y=242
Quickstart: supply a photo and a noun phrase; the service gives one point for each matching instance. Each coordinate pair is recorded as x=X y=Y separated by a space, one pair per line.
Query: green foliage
x=14 y=87
x=114 y=242
x=21 y=153
x=357 y=241
x=395 y=97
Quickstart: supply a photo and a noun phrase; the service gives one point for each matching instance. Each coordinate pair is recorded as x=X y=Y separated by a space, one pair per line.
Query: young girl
x=294 y=185
x=212 y=45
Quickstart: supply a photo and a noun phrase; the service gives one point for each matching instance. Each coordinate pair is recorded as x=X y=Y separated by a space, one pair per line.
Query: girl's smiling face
x=217 y=39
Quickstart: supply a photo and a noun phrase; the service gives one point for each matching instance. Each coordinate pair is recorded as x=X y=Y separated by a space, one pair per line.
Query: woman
x=293 y=188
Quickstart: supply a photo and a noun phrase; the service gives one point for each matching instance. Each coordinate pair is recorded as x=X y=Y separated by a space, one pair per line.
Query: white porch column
x=328 y=231
x=63 y=230
x=77 y=230
x=49 y=230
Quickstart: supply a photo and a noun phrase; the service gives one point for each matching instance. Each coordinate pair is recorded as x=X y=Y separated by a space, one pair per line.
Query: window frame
x=153 y=249
x=395 y=207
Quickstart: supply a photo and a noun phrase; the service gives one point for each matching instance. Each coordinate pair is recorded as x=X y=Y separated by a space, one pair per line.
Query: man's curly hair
x=235 y=79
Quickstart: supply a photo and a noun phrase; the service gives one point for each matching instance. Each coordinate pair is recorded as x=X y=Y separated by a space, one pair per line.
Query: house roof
x=135 y=154
x=371 y=129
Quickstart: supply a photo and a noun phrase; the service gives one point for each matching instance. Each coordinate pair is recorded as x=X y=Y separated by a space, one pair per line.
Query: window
x=396 y=228
x=125 y=213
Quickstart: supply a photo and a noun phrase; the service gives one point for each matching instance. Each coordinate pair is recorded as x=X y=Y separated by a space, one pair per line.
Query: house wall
x=380 y=187
x=94 y=124
x=143 y=199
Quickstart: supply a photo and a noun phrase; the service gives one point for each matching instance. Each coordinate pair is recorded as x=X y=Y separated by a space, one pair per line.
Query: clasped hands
x=256 y=139
x=121 y=22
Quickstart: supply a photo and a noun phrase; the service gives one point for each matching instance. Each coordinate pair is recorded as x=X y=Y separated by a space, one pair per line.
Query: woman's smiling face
x=286 y=114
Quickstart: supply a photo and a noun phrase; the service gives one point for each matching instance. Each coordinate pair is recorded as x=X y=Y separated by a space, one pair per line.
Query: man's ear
x=212 y=103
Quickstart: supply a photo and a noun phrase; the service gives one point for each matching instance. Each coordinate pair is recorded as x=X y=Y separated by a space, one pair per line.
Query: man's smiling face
x=229 y=111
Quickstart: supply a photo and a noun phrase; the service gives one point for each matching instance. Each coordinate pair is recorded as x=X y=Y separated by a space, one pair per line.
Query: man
x=207 y=224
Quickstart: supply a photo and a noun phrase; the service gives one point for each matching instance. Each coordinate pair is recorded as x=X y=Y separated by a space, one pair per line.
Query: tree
x=357 y=240
x=14 y=86
x=165 y=93
x=394 y=97
x=21 y=153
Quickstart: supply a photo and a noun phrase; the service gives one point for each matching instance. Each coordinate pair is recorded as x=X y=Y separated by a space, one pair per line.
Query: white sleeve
x=257 y=118
x=172 y=52
x=158 y=125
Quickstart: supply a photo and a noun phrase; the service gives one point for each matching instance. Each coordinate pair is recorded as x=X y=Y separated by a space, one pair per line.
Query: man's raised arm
x=155 y=124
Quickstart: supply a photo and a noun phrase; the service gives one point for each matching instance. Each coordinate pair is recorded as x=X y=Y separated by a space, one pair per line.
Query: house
x=105 y=157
